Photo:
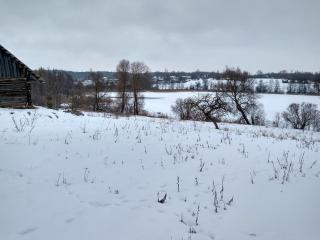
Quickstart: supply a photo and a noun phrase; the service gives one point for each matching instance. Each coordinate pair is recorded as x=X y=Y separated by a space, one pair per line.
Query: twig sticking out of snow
x=162 y=200
x=86 y=175
x=58 y=180
x=197 y=215
x=301 y=161
x=314 y=163
x=230 y=201
x=201 y=166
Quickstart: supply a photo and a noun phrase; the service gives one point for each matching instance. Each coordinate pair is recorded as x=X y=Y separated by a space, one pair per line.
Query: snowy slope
x=98 y=177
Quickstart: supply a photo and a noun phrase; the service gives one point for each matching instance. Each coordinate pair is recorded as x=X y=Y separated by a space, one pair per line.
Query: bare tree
x=240 y=90
x=123 y=75
x=184 y=108
x=139 y=76
x=57 y=86
x=301 y=116
x=316 y=122
x=212 y=106
x=98 y=89
x=277 y=120
x=76 y=93
x=209 y=107
x=257 y=115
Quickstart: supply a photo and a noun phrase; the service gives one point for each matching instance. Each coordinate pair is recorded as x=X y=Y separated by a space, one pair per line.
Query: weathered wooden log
x=15 y=80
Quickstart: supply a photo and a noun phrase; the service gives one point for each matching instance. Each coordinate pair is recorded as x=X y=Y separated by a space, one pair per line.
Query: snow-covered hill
x=265 y=85
x=99 y=177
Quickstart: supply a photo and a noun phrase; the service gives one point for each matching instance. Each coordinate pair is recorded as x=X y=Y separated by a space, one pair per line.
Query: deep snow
x=98 y=177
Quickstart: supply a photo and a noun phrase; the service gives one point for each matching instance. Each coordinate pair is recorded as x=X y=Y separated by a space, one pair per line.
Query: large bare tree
x=139 y=77
x=240 y=90
x=123 y=75
x=209 y=107
x=98 y=89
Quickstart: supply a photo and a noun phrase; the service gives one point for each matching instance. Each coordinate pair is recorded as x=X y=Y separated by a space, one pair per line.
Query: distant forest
x=297 y=76
x=64 y=86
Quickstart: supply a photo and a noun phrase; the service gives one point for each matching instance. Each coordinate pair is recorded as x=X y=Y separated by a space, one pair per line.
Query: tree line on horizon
x=236 y=96
x=294 y=76
x=132 y=78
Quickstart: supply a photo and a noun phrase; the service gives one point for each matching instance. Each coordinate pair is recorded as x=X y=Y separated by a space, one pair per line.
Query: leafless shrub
x=26 y=122
x=19 y=126
x=302 y=116
x=183 y=108
x=257 y=115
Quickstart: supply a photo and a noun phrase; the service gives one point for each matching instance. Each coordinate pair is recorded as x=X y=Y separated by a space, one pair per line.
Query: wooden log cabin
x=15 y=81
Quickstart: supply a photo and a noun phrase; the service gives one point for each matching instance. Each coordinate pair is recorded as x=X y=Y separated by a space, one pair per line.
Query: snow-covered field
x=273 y=103
x=98 y=177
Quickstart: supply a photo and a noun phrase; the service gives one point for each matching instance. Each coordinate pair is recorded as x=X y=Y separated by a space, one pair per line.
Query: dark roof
x=12 y=67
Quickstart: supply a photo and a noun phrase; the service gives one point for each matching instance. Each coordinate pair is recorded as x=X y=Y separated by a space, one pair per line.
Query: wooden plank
x=12 y=80
x=1 y=66
x=6 y=67
x=8 y=91
x=13 y=86
x=12 y=98
x=8 y=101
x=18 y=84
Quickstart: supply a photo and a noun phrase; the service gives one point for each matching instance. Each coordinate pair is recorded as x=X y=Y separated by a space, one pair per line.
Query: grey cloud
x=179 y=35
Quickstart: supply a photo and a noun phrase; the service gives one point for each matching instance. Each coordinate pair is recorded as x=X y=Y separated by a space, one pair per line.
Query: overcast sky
x=268 y=35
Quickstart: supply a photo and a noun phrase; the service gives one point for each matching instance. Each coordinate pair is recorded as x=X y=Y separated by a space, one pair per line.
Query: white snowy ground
x=273 y=103
x=98 y=177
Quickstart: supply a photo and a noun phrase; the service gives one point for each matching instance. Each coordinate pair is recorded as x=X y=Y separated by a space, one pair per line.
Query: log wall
x=15 y=81
x=14 y=92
